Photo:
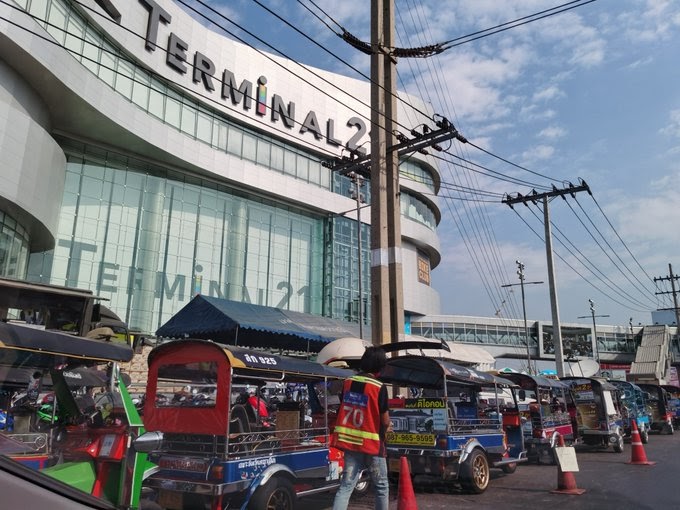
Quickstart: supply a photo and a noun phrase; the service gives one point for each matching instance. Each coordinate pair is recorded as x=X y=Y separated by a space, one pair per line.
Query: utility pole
x=387 y=301
x=534 y=197
x=592 y=314
x=522 y=283
x=672 y=278
x=383 y=173
x=358 y=181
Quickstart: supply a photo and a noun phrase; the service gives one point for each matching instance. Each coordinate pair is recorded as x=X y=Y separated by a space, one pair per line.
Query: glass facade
x=149 y=239
x=14 y=246
x=345 y=280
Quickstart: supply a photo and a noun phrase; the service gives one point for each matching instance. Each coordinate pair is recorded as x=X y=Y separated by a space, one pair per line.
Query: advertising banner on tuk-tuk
x=416 y=421
x=584 y=396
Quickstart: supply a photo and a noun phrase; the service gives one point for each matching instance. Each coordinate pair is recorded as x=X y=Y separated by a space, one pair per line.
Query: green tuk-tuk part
x=80 y=475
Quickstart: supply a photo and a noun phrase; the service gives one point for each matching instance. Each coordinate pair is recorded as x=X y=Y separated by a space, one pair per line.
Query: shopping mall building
x=149 y=158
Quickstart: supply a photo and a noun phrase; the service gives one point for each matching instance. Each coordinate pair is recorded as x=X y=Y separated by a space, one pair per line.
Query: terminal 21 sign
x=204 y=72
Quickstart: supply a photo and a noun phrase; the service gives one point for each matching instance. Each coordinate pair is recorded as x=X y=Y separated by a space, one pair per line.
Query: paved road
x=609 y=481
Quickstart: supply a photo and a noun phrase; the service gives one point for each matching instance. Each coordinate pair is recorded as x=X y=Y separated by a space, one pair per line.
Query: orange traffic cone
x=566 y=483
x=638 y=455
x=407 y=498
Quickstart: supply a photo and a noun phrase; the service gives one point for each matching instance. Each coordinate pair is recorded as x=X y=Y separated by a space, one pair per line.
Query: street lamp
x=358 y=181
x=522 y=283
x=592 y=314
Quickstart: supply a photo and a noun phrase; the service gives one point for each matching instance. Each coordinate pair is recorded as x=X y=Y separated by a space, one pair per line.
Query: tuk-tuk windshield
x=186 y=384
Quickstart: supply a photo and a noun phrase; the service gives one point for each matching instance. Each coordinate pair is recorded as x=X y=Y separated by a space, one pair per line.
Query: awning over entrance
x=236 y=323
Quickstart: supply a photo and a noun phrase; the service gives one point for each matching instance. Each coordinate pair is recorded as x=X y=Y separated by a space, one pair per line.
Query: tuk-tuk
x=597 y=411
x=673 y=393
x=454 y=422
x=88 y=449
x=635 y=408
x=543 y=405
x=661 y=416
x=232 y=427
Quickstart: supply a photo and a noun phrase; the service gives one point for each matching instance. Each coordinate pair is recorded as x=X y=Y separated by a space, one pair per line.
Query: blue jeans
x=355 y=463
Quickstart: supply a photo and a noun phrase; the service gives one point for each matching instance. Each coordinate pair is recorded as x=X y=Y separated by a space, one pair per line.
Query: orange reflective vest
x=358 y=424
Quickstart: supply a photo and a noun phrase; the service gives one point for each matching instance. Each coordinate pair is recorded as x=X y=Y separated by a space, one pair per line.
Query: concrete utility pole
x=522 y=283
x=592 y=314
x=672 y=278
x=387 y=320
x=534 y=197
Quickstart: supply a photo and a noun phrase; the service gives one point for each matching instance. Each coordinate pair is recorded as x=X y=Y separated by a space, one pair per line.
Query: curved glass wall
x=417 y=210
x=14 y=247
x=149 y=239
x=413 y=171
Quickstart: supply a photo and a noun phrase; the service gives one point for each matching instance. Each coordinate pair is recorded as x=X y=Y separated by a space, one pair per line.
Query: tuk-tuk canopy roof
x=236 y=323
x=421 y=371
x=241 y=358
x=22 y=346
x=527 y=381
x=594 y=381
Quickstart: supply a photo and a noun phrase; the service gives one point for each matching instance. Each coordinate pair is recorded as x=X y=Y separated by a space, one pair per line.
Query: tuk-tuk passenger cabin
x=543 y=404
x=214 y=447
x=661 y=417
x=451 y=425
x=597 y=411
x=673 y=393
x=635 y=408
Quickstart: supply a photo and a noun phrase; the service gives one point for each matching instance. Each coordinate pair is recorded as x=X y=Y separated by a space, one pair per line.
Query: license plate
x=170 y=499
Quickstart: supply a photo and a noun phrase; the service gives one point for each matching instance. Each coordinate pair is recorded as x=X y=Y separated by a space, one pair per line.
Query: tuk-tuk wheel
x=474 y=473
x=618 y=445
x=546 y=456
x=276 y=494
x=644 y=435
x=509 y=468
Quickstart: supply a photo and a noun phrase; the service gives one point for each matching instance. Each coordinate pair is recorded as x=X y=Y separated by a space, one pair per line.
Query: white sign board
x=566 y=459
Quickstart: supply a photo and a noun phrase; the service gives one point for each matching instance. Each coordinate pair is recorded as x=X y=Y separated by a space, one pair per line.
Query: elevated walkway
x=652 y=358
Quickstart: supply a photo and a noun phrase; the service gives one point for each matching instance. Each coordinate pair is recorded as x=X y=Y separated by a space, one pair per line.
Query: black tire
x=618 y=445
x=546 y=456
x=276 y=494
x=474 y=473
x=644 y=435
x=362 y=488
x=509 y=469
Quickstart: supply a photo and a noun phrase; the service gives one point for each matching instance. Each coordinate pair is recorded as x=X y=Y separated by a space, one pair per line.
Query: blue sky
x=591 y=93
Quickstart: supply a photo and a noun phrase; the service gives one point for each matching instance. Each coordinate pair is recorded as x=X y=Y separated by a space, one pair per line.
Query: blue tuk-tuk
x=597 y=411
x=453 y=423
x=657 y=399
x=635 y=408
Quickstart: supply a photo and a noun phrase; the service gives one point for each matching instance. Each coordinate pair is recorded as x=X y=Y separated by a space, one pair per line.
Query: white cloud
x=548 y=93
x=673 y=127
x=552 y=133
x=538 y=153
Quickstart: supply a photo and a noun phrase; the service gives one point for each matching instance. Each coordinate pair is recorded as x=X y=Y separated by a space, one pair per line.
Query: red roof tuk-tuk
x=213 y=445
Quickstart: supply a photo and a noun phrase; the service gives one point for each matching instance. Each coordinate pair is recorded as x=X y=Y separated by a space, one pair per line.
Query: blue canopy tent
x=245 y=324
